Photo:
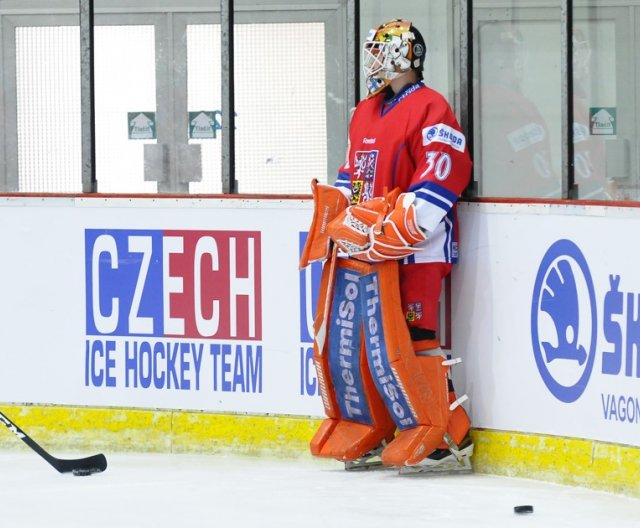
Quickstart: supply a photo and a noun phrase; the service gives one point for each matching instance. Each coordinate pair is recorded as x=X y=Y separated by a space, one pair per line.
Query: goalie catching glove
x=383 y=228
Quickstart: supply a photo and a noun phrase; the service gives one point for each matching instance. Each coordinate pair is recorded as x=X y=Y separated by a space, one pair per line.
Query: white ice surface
x=162 y=491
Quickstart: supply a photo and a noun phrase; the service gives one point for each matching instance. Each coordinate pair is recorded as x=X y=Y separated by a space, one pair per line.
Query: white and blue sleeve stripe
x=343 y=182
x=433 y=201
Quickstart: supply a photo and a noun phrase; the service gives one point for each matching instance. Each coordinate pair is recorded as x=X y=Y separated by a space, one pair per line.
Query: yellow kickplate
x=572 y=461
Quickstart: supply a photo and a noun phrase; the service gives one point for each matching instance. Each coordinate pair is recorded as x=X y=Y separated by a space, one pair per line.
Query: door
x=158 y=100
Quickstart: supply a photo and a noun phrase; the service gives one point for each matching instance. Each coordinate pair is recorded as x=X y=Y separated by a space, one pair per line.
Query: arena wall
x=184 y=325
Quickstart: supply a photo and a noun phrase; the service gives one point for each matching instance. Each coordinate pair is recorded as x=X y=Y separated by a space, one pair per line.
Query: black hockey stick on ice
x=79 y=466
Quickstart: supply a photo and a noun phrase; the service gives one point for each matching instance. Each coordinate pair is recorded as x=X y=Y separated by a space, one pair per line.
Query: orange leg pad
x=350 y=440
x=414 y=389
x=357 y=418
x=322 y=435
x=424 y=381
x=412 y=445
x=320 y=352
x=459 y=424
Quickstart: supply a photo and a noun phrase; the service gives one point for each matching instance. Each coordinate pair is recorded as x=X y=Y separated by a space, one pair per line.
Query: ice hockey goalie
x=387 y=231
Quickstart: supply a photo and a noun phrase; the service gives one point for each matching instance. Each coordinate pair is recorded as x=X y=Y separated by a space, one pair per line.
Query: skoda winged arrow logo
x=564 y=321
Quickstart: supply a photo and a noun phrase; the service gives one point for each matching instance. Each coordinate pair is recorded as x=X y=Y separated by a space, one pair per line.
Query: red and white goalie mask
x=390 y=50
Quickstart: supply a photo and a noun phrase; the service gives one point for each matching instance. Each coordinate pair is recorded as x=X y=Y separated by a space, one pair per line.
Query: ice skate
x=370 y=460
x=454 y=459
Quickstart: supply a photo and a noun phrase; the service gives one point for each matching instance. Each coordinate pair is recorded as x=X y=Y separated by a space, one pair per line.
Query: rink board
x=184 y=324
x=158 y=303
x=551 y=296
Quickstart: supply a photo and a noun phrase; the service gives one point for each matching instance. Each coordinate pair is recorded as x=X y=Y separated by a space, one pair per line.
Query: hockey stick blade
x=93 y=464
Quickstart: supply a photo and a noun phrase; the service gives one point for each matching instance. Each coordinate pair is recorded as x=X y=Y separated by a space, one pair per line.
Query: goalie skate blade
x=355 y=465
x=371 y=460
x=448 y=467
x=458 y=462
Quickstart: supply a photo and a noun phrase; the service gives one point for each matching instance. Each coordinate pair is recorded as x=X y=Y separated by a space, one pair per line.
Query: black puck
x=82 y=472
x=525 y=508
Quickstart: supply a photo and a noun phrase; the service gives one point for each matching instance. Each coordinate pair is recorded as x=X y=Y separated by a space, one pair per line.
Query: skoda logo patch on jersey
x=442 y=133
x=564 y=321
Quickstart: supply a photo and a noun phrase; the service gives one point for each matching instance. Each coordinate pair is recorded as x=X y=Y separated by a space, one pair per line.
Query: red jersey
x=412 y=141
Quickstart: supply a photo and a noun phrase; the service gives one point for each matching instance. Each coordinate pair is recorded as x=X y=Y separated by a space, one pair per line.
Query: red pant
x=420 y=287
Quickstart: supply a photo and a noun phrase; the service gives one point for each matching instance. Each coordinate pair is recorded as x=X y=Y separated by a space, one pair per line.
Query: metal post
x=228 y=104
x=466 y=70
x=87 y=98
x=466 y=82
x=568 y=186
x=353 y=53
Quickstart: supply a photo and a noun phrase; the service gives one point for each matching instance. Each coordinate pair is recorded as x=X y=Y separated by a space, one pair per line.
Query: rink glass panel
x=166 y=66
x=125 y=87
x=48 y=107
x=281 y=125
x=203 y=102
x=48 y=110
x=517 y=93
x=517 y=120
x=162 y=58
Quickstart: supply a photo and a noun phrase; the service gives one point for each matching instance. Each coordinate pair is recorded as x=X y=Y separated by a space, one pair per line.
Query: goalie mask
x=390 y=50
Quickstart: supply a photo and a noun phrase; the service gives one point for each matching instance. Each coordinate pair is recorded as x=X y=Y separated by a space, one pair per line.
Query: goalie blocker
x=374 y=380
